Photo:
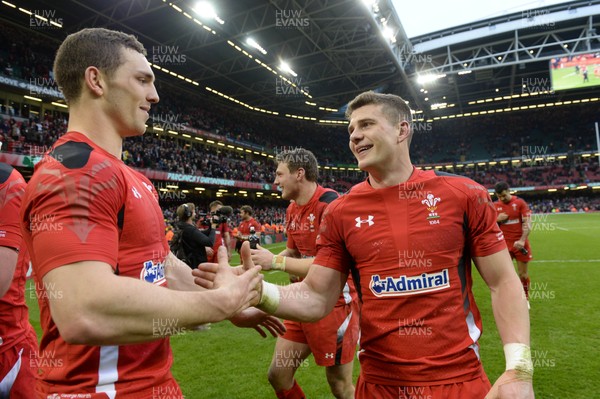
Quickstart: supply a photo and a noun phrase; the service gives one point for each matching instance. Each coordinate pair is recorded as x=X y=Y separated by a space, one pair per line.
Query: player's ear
x=300 y=173
x=403 y=131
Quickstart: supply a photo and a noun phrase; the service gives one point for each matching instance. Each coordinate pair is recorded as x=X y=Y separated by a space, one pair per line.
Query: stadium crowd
x=28 y=57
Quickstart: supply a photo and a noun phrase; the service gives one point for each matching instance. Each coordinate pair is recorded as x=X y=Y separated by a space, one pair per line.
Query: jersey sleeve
x=78 y=210
x=524 y=209
x=484 y=235
x=11 y=195
x=331 y=250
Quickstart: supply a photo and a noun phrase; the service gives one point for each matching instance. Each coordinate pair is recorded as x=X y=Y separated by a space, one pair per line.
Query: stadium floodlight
x=285 y=67
x=369 y=3
x=388 y=34
x=252 y=43
x=422 y=79
x=206 y=10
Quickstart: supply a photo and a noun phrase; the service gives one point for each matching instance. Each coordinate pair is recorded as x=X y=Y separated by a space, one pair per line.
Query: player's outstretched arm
x=91 y=305
x=179 y=277
x=286 y=261
x=512 y=318
x=307 y=301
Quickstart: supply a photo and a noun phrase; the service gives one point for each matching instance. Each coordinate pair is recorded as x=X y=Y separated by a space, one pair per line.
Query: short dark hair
x=214 y=203
x=97 y=47
x=247 y=208
x=501 y=186
x=300 y=158
x=394 y=107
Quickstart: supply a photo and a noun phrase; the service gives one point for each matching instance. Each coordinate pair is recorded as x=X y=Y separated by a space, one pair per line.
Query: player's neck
x=391 y=176
x=306 y=193
x=96 y=127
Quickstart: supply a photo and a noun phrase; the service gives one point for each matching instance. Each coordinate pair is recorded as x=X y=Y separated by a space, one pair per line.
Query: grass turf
x=228 y=362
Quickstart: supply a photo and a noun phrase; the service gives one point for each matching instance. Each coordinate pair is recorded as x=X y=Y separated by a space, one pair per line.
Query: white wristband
x=518 y=357
x=278 y=263
x=269 y=300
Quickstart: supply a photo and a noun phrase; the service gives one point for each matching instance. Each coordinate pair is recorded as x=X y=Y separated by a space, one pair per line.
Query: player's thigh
x=289 y=355
x=333 y=339
x=340 y=372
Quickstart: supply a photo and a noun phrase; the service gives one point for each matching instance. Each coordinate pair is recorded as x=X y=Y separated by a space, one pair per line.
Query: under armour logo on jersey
x=360 y=221
x=136 y=193
x=329 y=356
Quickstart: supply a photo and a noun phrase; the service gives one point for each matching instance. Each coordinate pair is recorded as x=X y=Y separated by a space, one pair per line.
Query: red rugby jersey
x=83 y=204
x=14 y=315
x=302 y=226
x=409 y=248
x=517 y=210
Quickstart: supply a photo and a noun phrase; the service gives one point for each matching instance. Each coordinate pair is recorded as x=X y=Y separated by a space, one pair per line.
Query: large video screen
x=575 y=72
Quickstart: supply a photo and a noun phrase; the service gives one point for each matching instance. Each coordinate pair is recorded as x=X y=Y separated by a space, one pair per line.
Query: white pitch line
x=562 y=228
x=567 y=261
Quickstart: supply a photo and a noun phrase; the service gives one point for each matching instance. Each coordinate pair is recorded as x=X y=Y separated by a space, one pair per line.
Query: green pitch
x=227 y=362
x=566 y=78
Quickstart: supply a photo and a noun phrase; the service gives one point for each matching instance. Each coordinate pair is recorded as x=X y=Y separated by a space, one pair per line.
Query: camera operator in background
x=219 y=218
x=244 y=231
x=194 y=240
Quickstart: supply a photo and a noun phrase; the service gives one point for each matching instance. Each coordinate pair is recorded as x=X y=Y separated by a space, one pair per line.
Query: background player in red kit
x=417 y=279
x=244 y=229
x=103 y=263
x=18 y=343
x=514 y=218
x=333 y=339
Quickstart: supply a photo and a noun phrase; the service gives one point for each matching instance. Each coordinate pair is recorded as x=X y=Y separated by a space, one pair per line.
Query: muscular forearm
x=297 y=267
x=510 y=311
x=101 y=309
x=299 y=302
x=526 y=230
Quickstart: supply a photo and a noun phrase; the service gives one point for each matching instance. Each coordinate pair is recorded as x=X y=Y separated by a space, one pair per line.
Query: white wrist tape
x=518 y=357
x=269 y=300
x=278 y=262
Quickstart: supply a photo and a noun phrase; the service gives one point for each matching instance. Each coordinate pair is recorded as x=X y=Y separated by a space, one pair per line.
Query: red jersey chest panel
x=404 y=241
x=142 y=246
x=410 y=249
x=302 y=222
x=516 y=209
x=244 y=227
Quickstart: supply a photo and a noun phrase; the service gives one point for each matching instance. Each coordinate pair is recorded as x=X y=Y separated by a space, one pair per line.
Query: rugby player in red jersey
x=420 y=326
x=514 y=218
x=112 y=292
x=332 y=340
x=18 y=342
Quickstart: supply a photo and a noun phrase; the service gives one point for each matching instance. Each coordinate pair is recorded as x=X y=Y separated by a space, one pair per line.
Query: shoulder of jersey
x=458 y=182
x=5 y=172
x=72 y=154
x=328 y=196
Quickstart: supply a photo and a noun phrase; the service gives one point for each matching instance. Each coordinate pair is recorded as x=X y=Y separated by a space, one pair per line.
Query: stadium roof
x=336 y=48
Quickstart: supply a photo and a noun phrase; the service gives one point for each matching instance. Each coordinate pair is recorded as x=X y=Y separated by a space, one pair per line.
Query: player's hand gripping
x=262 y=257
x=502 y=217
x=242 y=285
x=519 y=245
x=512 y=385
x=257 y=319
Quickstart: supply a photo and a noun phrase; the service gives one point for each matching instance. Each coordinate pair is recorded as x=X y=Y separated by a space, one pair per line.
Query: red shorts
x=16 y=373
x=517 y=254
x=332 y=339
x=474 y=389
